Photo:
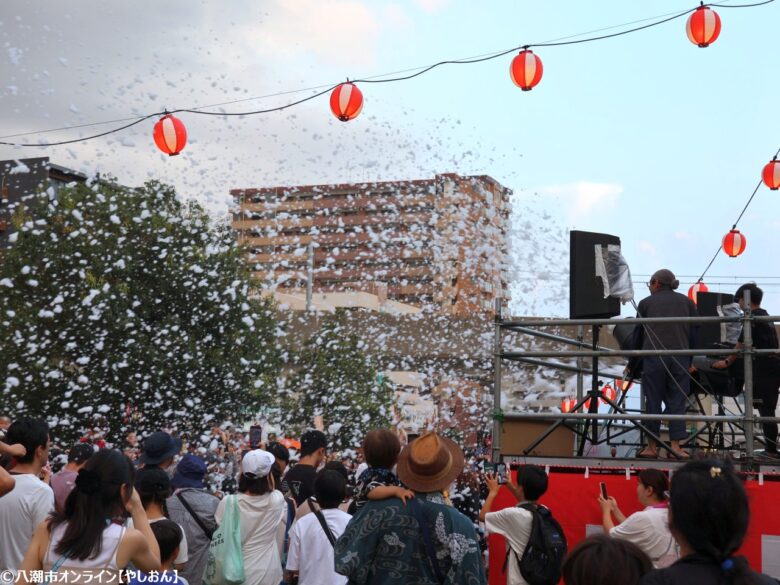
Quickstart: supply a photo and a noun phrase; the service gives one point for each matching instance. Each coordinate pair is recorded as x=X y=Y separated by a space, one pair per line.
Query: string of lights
x=702 y=31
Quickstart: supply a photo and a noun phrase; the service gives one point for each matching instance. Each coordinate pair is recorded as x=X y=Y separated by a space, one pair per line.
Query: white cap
x=257 y=463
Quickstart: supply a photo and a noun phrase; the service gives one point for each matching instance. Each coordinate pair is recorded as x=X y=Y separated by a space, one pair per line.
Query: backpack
x=545 y=550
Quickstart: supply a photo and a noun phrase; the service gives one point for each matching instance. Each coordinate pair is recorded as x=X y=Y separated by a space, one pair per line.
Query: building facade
x=439 y=243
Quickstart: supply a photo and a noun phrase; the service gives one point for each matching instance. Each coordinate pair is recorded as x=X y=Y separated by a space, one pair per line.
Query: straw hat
x=430 y=463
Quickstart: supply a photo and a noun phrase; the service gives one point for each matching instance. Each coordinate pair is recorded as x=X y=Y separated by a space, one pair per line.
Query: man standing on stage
x=665 y=379
x=766 y=368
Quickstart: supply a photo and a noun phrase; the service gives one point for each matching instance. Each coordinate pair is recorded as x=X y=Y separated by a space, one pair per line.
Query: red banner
x=572 y=497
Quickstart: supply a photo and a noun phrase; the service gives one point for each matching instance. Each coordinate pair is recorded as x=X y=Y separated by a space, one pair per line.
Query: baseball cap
x=257 y=463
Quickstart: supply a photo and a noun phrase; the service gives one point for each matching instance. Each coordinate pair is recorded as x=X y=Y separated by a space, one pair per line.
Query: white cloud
x=585 y=196
x=647 y=248
x=683 y=235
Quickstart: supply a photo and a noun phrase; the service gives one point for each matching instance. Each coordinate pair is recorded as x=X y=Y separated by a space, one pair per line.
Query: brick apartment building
x=436 y=243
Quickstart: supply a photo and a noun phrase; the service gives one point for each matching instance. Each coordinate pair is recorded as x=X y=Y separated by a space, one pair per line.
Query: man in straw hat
x=424 y=541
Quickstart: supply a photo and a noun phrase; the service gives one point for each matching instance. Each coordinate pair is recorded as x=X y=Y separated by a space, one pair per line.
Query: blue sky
x=644 y=136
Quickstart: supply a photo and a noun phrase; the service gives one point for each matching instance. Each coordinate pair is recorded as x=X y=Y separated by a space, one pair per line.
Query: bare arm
x=144 y=551
x=492 y=484
x=384 y=492
x=7 y=482
x=33 y=558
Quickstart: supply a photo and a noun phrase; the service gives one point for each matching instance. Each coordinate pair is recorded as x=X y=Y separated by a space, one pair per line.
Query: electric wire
x=372 y=79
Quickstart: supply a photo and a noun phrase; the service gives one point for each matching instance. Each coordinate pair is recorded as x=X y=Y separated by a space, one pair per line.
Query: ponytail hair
x=709 y=509
x=94 y=501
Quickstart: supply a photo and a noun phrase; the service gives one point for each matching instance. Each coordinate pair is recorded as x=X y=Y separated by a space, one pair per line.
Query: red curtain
x=572 y=497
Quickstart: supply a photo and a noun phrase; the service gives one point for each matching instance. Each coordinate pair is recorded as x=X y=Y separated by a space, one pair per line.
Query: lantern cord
x=744 y=209
x=374 y=79
x=106 y=133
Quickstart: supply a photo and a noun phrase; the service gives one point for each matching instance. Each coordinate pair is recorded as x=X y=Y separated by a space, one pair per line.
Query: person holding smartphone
x=648 y=528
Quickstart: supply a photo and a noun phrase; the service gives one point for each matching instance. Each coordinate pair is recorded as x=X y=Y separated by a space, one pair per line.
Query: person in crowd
x=299 y=480
x=154 y=487
x=159 y=450
x=347 y=505
x=7 y=481
x=262 y=512
x=311 y=550
x=87 y=540
x=63 y=481
x=423 y=540
x=168 y=535
x=766 y=368
x=465 y=497
x=193 y=508
x=648 y=528
x=665 y=379
x=514 y=523
x=708 y=517
x=601 y=560
x=378 y=482
x=5 y=423
x=31 y=500
x=289 y=515
x=282 y=455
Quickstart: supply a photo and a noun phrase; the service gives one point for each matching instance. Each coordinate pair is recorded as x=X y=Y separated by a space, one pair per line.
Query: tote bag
x=225 y=565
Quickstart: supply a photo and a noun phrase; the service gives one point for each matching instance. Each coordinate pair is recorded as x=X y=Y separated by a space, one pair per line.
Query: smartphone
x=501 y=473
x=603 y=490
x=255 y=436
x=487 y=467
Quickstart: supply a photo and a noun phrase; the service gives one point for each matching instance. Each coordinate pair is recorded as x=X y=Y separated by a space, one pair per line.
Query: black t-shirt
x=667 y=303
x=299 y=482
x=764 y=336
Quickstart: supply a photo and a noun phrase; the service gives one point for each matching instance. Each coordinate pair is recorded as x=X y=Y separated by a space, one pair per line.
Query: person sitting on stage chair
x=665 y=379
x=766 y=368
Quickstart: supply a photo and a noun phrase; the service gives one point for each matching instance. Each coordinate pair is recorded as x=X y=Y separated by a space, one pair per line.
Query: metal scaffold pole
x=496 y=442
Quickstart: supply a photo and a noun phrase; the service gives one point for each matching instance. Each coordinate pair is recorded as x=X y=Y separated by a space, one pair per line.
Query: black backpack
x=545 y=550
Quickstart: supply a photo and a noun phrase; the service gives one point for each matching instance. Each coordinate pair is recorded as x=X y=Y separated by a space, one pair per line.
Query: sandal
x=680 y=455
x=647 y=453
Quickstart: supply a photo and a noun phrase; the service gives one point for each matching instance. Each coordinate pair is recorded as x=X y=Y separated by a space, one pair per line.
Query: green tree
x=335 y=379
x=129 y=306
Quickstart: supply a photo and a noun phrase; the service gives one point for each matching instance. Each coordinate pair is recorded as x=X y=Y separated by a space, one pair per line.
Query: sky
x=644 y=136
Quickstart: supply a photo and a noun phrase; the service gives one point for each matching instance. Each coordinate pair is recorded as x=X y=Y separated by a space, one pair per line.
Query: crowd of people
x=158 y=510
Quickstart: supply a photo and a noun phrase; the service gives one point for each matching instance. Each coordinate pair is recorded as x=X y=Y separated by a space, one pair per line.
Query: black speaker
x=707 y=304
x=586 y=289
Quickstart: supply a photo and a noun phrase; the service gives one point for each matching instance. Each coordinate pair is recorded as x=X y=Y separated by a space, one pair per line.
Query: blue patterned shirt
x=383 y=545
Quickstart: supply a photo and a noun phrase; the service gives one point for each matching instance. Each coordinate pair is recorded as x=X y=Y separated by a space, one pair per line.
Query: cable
x=744 y=209
x=373 y=79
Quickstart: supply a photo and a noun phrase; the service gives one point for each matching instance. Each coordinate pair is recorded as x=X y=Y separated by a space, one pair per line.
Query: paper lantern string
x=375 y=79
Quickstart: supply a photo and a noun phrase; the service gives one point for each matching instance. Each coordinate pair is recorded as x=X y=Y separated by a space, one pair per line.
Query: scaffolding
x=746 y=419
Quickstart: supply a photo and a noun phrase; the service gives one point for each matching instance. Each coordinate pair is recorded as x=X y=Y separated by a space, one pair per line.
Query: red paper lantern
x=170 y=135
x=346 y=101
x=771 y=174
x=694 y=291
x=609 y=392
x=526 y=70
x=734 y=243
x=568 y=404
x=703 y=26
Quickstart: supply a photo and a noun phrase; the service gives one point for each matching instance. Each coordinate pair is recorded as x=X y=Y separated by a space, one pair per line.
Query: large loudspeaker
x=707 y=304
x=586 y=289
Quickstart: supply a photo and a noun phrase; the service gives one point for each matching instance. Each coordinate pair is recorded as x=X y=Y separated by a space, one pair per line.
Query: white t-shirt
x=311 y=553
x=184 y=554
x=262 y=522
x=514 y=524
x=649 y=530
x=21 y=510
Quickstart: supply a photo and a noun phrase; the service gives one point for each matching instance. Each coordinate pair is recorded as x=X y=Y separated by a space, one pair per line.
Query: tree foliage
x=335 y=379
x=129 y=306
